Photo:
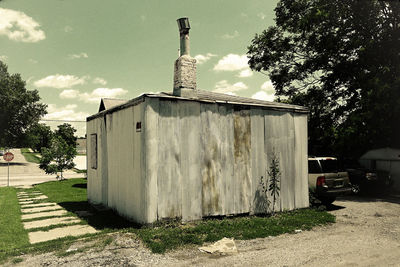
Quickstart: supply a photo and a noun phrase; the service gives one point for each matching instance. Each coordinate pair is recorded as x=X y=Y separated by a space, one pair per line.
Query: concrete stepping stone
x=26 y=202
x=43 y=214
x=33 y=198
x=44 y=204
x=74 y=230
x=40 y=209
x=49 y=222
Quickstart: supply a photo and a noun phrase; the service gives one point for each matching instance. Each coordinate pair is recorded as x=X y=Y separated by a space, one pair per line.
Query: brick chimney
x=185 y=65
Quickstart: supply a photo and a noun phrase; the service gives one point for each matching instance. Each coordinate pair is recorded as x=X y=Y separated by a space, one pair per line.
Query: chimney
x=185 y=65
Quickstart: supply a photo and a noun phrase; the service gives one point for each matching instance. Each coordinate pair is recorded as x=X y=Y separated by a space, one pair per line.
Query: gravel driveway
x=367 y=233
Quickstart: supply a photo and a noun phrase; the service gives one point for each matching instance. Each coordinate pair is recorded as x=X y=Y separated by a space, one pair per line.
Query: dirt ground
x=367 y=233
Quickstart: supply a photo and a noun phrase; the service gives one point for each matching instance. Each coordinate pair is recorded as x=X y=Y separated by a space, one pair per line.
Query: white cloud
x=3 y=58
x=68 y=28
x=230 y=36
x=262 y=95
x=99 y=80
x=60 y=81
x=80 y=55
x=245 y=73
x=69 y=94
x=33 y=61
x=268 y=87
x=232 y=62
x=17 y=26
x=67 y=112
x=203 y=58
x=225 y=87
x=97 y=94
x=261 y=15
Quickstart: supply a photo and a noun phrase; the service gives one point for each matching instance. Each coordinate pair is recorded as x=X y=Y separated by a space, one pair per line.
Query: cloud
x=201 y=59
x=230 y=36
x=69 y=94
x=268 y=87
x=245 y=73
x=261 y=15
x=97 y=94
x=225 y=87
x=3 y=58
x=68 y=28
x=232 y=62
x=99 y=80
x=33 y=61
x=17 y=26
x=262 y=95
x=80 y=55
x=67 y=112
x=60 y=81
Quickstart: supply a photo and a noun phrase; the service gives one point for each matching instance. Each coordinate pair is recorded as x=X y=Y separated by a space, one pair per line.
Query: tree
x=19 y=108
x=38 y=136
x=58 y=157
x=67 y=132
x=341 y=58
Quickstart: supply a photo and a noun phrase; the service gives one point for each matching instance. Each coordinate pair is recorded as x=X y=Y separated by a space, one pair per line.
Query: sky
x=75 y=52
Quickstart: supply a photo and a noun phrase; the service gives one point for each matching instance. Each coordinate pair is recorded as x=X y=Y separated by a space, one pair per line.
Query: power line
x=62 y=120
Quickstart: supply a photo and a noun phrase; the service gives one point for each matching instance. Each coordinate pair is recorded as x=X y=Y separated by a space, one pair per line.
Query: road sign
x=8 y=156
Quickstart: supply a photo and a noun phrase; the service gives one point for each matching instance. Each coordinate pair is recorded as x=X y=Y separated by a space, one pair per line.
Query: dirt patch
x=367 y=233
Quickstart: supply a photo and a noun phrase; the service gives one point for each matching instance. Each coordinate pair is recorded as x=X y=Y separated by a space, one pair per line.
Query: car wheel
x=355 y=188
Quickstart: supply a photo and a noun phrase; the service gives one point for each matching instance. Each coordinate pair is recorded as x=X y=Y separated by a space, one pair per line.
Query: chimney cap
x=183 y=24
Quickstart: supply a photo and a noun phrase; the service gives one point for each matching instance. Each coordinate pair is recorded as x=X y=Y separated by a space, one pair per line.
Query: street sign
x=8 y=156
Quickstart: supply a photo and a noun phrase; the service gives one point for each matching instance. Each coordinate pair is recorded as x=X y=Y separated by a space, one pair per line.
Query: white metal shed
x=165 y=156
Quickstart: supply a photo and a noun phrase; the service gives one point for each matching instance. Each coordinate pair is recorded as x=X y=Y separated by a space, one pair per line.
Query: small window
x=93 y=151
x=139 y=126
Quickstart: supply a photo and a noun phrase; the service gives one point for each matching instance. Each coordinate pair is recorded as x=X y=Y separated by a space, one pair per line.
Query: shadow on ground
x=97 y=218
x=80 y=185
x=13 y=164
x=373 y=197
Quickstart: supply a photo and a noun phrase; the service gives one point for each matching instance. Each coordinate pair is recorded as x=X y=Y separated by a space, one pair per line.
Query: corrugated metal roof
x=202 y=96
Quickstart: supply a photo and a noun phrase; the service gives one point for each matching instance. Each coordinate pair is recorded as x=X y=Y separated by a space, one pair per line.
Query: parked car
x=1 y=152
x=362 y=178
x=325 y=180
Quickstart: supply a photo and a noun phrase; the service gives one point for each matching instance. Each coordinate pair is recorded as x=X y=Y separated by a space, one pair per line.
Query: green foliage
x=274 y=179
x=58 y=157
x=67 y=132
x=341 y=59
x=19 y=108
x=38 y=136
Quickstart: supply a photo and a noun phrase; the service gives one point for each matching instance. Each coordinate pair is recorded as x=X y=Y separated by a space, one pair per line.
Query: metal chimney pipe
x=184 y=27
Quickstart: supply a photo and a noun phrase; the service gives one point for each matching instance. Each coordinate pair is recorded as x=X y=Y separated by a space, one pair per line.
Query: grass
x=159 y=237
x=12 y=233
x=30 y=156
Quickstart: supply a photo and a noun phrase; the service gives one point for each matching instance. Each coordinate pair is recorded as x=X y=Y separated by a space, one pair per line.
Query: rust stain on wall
x=242 y=135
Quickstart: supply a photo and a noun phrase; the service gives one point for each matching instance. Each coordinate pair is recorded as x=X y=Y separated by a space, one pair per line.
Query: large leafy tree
x=341 y=58
x=19 y=108
x=38 y=136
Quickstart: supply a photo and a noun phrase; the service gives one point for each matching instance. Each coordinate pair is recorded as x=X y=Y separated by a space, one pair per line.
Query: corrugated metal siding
x=231 y=149
x=195 y=159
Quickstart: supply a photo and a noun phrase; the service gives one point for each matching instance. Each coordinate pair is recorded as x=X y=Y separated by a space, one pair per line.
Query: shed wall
x=210 y=158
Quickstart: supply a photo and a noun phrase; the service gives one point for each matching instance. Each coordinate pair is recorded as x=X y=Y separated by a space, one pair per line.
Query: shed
x=386 y=159
x=192 y=153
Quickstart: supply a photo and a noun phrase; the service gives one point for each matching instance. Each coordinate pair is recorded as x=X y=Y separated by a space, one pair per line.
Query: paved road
x=23 y=173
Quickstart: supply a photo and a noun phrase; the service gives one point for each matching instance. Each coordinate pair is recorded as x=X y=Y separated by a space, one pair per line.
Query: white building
x=386 y=159
x=192 y=153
